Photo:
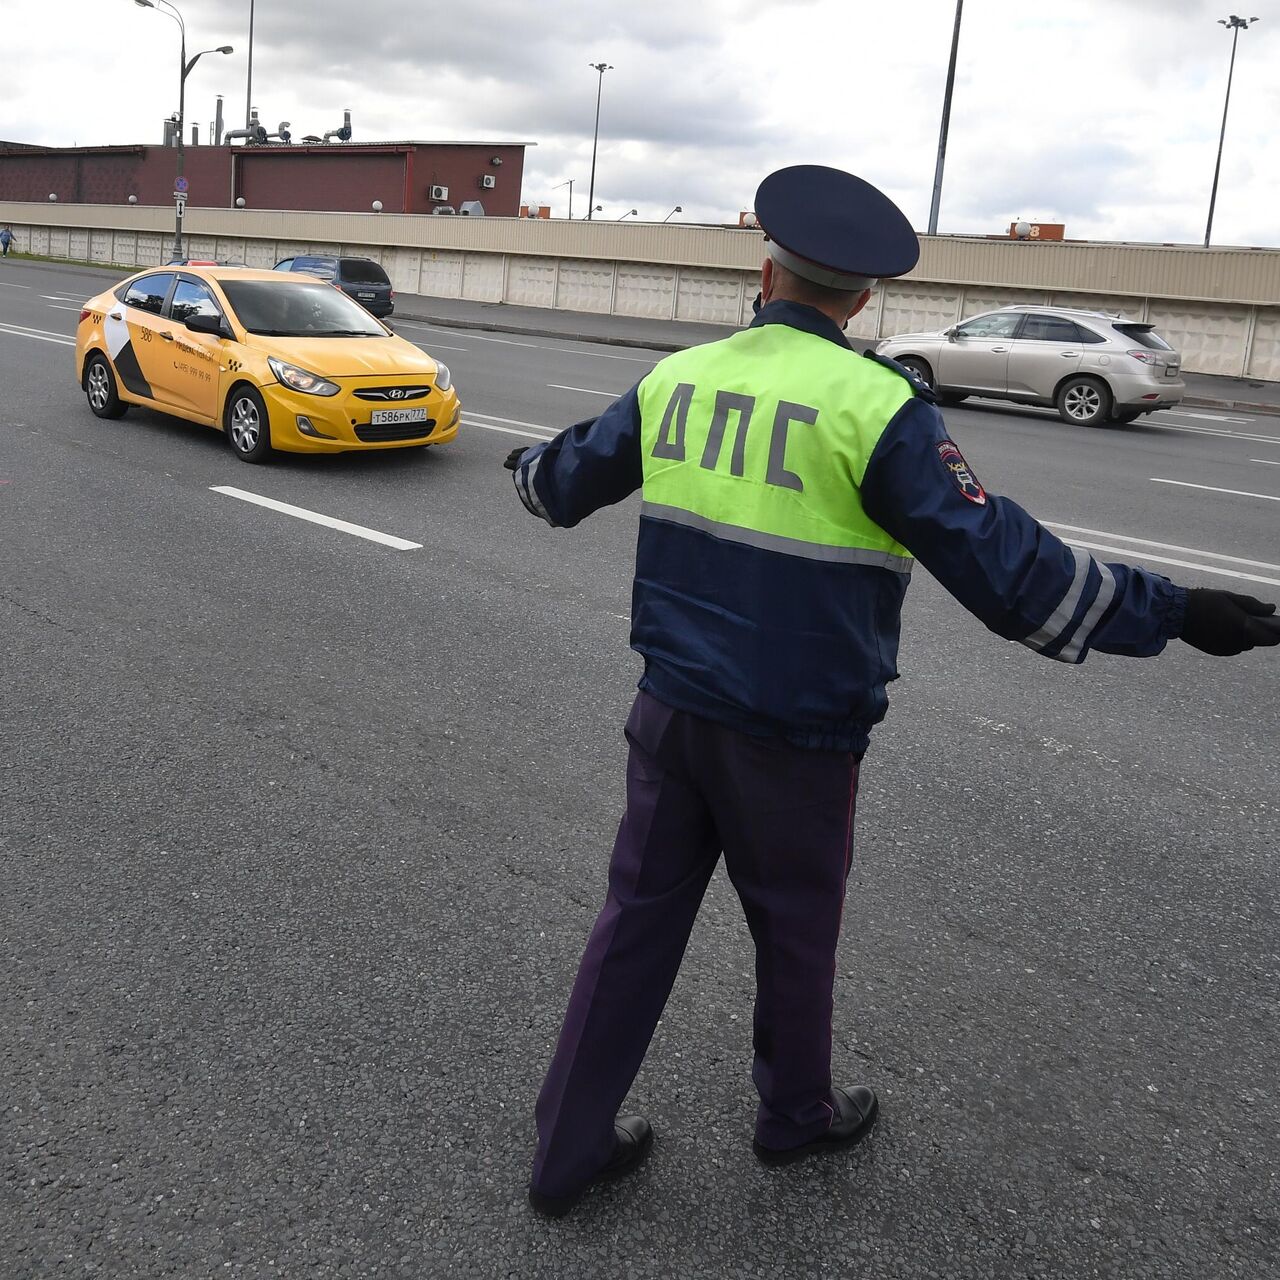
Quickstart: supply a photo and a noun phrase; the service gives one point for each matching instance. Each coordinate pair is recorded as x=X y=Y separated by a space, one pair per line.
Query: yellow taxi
x=274 y=362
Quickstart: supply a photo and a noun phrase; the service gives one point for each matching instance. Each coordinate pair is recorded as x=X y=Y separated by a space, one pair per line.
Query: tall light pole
x=946 y=124
x=568 y=184
x=601 y=67
x=248 y=80
x=1235 y=26
x=630 y=213
x=677 y=209
x=184 y=70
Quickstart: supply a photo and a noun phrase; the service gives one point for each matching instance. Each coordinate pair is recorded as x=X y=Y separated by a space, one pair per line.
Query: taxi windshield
x=284 y=309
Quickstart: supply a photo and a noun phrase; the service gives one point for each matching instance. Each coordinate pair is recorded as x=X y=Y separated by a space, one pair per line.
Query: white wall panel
x=441 y=274
x=1211 y=337
x=230 y=249
x=482 y=277
x=375 y=251
x=100 y=246
x=201 y=246
x=1265 y=360
x=531 y=282
x=711 y=296
x=79 y=244
x=404 y=268
x=978 y=300
x=862 y=329
x=59 y=242
x=1108 y=303
x=150 y=249
x=39 y=241
x=124 y=247
x=644 y=290
x=262 y=253
x=917 y=308
x=585 y=285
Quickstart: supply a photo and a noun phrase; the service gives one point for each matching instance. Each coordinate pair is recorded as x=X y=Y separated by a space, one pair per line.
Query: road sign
x=180 y=184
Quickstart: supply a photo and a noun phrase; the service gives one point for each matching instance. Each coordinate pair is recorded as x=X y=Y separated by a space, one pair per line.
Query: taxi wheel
x=247 y=426
x=100 y=388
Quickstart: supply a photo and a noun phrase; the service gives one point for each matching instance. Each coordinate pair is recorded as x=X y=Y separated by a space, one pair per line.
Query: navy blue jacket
x=776 y=645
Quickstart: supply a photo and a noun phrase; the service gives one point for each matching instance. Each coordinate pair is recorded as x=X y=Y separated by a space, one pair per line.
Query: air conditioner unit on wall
x=488 y=181
x=439 y=193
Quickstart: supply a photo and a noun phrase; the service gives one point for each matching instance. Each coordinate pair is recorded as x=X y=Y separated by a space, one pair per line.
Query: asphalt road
x=303 y=835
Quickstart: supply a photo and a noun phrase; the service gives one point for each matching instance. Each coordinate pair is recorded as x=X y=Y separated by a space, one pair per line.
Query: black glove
x=1223 y=623
x=513 y=458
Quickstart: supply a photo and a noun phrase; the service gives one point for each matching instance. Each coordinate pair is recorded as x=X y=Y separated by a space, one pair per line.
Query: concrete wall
x=1231 y=326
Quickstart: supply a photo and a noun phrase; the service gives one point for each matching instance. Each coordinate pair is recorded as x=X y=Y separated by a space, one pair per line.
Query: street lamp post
x=936 y=203
x=601 y=67
x=1235 y=26
x=630 y=213
x=568 y=184
x=677 y=209
x=184 y=65
x=248 y=80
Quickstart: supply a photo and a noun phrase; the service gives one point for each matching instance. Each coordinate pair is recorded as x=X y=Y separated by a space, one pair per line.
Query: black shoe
x=634 y=1139
x=858 y=1110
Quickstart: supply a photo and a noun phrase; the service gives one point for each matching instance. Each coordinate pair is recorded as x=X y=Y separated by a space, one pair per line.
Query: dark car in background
x=359 y=278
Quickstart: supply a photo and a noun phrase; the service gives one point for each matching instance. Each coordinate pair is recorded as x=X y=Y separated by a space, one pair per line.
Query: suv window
x=1001 y=324
x=149 y=293
x=363 y=271
x=1144 y=335
x=192 y=299
x=325 y=268
x=1051 y=329
x=286 y=265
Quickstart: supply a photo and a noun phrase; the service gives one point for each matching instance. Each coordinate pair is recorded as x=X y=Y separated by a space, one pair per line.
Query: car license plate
x=366 y=297
x=382 y=416
x=1171 y=371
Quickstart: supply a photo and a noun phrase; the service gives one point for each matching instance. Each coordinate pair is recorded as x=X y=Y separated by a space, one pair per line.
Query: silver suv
x=1092 y=367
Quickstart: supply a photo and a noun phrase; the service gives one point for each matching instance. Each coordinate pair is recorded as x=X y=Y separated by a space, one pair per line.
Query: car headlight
x=444 y=379
x=300 y=380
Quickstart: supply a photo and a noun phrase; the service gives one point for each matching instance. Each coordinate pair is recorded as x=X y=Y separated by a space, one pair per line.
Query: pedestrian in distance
x=6 y=239
x=788 y=485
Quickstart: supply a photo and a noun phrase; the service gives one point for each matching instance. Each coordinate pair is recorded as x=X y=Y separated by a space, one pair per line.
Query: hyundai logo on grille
x=392 y=393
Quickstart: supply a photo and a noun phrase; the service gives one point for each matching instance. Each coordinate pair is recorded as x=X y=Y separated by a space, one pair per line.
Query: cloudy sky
x=1102 y=114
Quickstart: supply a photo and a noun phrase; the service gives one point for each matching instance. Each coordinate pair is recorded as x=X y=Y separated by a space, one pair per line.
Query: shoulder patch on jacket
x=961 y=473
x=922 y=389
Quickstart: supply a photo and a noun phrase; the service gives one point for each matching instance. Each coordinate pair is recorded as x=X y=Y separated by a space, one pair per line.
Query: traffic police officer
x=788 y=483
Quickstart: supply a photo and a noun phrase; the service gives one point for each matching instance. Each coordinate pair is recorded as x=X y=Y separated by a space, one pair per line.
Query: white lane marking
x=1208 y=431
x=1208 y=417
x=15 y=332
x=58 y=297
x=569 y=351
x=345 y=526
x=1181 y=564
x=53 y=306
x=586 y=391
x=1162 y=546
x=1239 y=493
x=10 y=285
x=437 y=346
x=1266 y=462
x=506 y=431
x=512 y=422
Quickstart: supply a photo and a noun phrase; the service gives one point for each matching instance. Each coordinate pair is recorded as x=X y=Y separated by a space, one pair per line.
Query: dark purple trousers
x=783 y=817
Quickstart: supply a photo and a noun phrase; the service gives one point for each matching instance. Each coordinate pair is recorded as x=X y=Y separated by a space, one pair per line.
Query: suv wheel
x=1084 y=402
x=918 y=369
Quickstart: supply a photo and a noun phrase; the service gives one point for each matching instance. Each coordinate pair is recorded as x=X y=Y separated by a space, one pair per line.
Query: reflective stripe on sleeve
x=777 y=542
x=1059 y=620
x=1084 y=633
x=523 y=476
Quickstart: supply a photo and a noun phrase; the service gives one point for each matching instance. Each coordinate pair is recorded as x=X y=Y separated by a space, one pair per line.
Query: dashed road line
x=315 y=517
x=1160 y=546
x=587 y=391
x=1239 y=493
x=40 y=335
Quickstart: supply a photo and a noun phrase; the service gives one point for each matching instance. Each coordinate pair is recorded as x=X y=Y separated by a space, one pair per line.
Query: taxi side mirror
x=212 y=325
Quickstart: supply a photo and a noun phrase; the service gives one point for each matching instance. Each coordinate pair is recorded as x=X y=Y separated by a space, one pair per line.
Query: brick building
x=407 y=177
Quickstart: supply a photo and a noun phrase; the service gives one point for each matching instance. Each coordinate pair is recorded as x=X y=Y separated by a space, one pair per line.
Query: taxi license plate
x=383 y=416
